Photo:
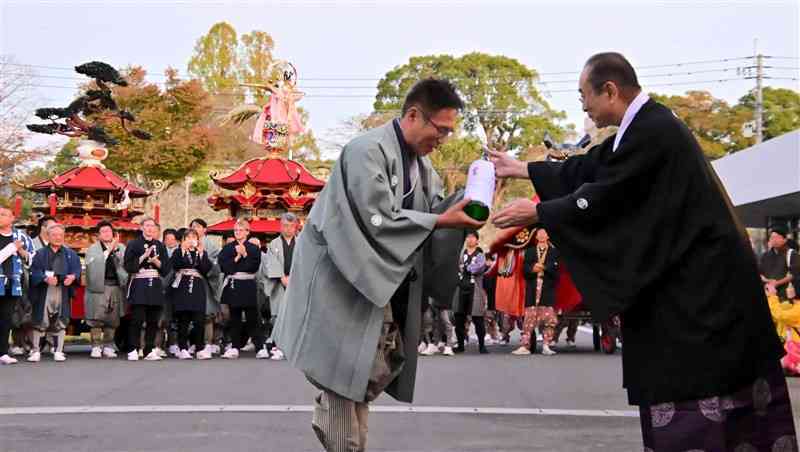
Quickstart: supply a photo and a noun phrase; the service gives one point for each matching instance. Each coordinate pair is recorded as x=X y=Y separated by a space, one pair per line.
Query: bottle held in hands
x=480 y=187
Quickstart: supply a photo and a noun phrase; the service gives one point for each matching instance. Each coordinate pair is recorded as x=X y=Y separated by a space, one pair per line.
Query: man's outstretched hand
x=507 y=166
x=520 y=212
x=456 y=218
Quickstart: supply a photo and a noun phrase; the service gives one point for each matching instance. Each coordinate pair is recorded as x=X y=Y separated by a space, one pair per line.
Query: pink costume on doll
x=280 y=116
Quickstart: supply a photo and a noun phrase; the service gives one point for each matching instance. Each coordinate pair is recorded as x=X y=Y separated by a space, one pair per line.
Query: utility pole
x=759 y=94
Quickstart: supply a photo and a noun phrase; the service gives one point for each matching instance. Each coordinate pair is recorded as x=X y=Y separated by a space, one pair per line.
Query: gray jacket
x=356 y=248
x=95 y=263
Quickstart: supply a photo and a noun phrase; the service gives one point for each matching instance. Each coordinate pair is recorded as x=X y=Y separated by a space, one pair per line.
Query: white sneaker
x=214 y=349
x=547 y=351
x=16 y=351
x=35 y=357
x=161 y=353
x=109 y=352
x=277 y=354
x=262 y=354
x=153 y=356
x=184 y=354
x=522 y=350
x=249 y=347
x=59 y=357
x=133 y=356
x=487 y=340
x=231 y=353
x=430 y=350
x=174 y=350
x=440 y=345
x=421 y=348
x=5 y=359
x=228 y=347
x=192 y=349
x=205 y=353
x=448 y=351
x=97 y=353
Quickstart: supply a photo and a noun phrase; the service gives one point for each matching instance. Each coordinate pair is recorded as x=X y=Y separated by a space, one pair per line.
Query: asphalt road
x=497 y=402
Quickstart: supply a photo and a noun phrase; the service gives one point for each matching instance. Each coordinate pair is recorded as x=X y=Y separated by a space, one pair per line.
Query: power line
x=687 y=63
x=539 y=82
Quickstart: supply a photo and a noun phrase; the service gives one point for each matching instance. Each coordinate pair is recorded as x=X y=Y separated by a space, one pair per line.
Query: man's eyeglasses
x=442 y=131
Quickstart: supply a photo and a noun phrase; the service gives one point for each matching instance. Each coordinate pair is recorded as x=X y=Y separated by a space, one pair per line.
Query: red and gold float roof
x=89 y=178
x=270 y=172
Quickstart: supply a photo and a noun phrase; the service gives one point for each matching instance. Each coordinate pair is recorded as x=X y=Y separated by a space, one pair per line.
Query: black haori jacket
x=648 y=232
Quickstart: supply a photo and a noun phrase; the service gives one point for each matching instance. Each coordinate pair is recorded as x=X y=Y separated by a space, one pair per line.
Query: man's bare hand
x=68 y=280
x=456 y=218
x=520 y=212
x=285 y=281
x=21 y=251
x=507 y=166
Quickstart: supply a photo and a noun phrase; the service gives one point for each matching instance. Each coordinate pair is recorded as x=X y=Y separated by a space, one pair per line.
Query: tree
x=17 y=103
x=223 y=61
x=216 y=60
x=716 y=125
x=781 y=110
x=499 y=94
x=176 y=117
x=255 y=59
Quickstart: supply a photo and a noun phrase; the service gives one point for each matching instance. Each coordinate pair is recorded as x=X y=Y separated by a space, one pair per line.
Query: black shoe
x=458 y=349
x=483 y=351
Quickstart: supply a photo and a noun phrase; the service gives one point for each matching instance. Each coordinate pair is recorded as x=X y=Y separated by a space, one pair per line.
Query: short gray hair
x=288 y=217
x=56 y=226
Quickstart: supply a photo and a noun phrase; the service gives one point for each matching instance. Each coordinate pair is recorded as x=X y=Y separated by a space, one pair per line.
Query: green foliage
x=200 y=185
x=781 y=110
x=499 y=93
x=215 y=61
x=719 y=126
x=176 y=117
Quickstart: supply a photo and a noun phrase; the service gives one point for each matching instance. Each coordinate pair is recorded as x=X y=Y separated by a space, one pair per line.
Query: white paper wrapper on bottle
x=480 y=182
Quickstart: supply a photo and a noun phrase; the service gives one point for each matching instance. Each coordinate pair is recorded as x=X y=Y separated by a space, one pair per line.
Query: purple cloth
x=757 y=418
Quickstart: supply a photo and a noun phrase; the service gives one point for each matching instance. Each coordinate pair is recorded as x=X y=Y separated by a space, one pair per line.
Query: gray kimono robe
x=96 y=278
x=271 y=271
x=213 y=278
x=356 y=248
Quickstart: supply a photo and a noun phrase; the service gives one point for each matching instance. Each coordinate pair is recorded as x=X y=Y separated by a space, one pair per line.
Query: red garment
x=567 y=295
x=510 y=293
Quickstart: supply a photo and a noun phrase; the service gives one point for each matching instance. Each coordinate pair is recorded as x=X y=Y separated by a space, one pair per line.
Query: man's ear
x=610 y=88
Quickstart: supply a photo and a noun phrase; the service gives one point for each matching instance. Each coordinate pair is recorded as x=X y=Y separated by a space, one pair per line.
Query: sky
x=342 y=48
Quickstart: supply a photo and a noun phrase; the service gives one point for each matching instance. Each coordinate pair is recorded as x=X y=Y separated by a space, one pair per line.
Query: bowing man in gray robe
x=378 y=239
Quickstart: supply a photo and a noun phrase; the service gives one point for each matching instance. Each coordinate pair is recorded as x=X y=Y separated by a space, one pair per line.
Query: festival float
x=263 y=188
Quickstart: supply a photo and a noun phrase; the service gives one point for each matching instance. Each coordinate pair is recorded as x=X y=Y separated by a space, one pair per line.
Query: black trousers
x=141 y=313
x=461 y=322
x=6 y=310
x=198 y=320
x=252 y=325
